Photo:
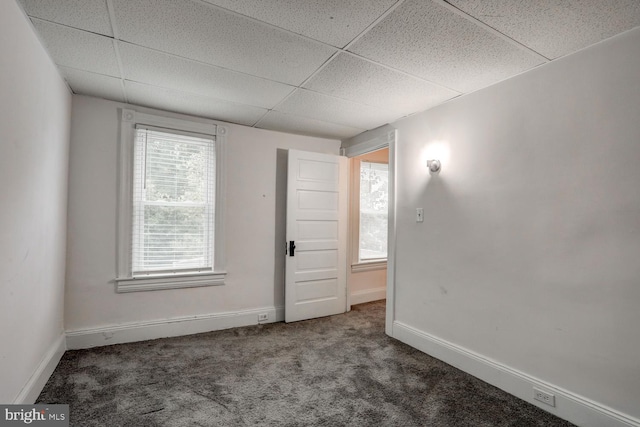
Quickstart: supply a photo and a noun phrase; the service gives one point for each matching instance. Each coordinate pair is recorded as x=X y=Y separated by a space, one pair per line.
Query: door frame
x=366 y=142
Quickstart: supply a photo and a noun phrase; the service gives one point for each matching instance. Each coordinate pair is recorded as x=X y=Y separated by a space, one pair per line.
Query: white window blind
x=173 y=202
x=374 y=208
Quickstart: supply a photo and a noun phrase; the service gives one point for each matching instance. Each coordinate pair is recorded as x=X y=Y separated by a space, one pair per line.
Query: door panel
x=311 y=259
x=317 y=200
x=316 y=290
x=316 y=230
x=318 y=171
x=317 y=223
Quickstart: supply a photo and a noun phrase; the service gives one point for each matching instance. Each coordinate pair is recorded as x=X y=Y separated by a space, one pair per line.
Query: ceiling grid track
x=116 y=39
x=373 y=24
x=343 y=50
x=324 y=65
x=327 y=69
x=264 y=23
x=390 y=68
x=479 y=23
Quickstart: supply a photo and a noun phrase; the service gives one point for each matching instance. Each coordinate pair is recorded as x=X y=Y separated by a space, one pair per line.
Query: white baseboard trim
x=41 y=375
x=368 y=295
x=569 y=406
x=177 y=326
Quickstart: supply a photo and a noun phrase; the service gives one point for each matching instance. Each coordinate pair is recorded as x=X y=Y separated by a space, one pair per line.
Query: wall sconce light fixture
x=434 y=165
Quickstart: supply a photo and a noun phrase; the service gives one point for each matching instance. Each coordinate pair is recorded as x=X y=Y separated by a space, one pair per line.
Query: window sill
x=173 y=281
x=368 y=266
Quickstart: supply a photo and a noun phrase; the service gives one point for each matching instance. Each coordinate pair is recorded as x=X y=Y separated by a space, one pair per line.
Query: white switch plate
x=419 y=215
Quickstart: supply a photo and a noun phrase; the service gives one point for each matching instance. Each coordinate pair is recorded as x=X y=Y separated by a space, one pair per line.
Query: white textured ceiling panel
x=242 y=60
x=98 y=85
x=555 y=28
x=161 y=69
x=335 y=22
x=359 y=80
x=89 y=15
x=432 y=42
x=275 y=120
x=186 y=103
x=205 y=33
x=334 y=110
x=78 y=49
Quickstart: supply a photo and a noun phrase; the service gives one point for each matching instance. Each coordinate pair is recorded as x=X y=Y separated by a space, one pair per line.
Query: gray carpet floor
x=336 y=371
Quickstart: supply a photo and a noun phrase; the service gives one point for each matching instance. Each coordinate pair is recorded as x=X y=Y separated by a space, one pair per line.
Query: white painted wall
x=35 y=106
x=255 y=162
x=529 y=252
x=367 y=285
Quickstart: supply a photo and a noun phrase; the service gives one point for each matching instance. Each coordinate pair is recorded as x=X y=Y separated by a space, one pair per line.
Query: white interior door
x=316 y=236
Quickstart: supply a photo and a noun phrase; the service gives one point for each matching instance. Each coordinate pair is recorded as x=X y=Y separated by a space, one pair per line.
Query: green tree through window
x=174 y=202
x=374 y=207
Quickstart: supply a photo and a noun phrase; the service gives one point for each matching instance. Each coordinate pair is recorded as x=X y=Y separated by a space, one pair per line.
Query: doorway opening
x=321 y=250
x=371 y=148
x=368 y=227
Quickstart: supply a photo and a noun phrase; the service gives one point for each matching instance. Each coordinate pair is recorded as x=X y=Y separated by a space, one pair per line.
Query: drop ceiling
x=331 y=68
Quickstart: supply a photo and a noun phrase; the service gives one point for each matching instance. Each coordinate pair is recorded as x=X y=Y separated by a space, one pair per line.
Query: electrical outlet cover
x=544 y=397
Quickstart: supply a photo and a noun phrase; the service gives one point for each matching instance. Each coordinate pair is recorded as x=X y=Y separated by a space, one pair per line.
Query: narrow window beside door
x=374 y=207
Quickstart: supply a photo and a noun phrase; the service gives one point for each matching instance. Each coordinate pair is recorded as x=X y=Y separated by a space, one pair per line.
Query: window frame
x=358 y=265
x=125 y=282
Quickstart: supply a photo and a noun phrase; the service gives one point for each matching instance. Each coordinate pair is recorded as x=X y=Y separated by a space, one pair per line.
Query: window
x=173 y=202
x=374 y=207
x=170 y=217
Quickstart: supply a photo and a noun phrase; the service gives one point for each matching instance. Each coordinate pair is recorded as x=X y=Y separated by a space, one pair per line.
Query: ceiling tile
x=555 y=28
x=78 y=49
x=86 y=83
x=359 y=80
x=275 y=120
x=186 y=103
x=161 y=69
x=335 y=22
x=334 y=110
x=432 y=42
x=89 y=15
x=212 y=35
